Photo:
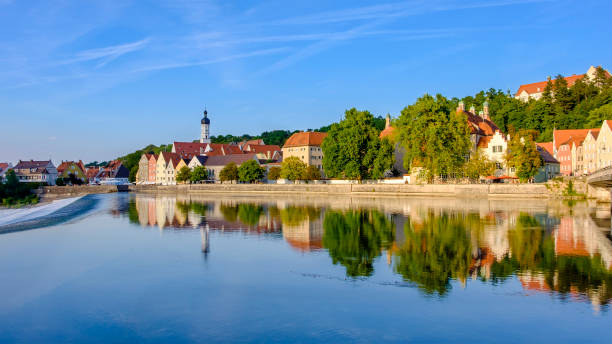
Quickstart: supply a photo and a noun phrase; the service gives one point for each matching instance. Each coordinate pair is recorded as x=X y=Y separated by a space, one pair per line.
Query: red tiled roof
x=548 y=146
x=263 y=148
x=65 y=164
x=189 y=149
x=258 y=142
x=3 y=166
x=175 y=158
x=538 y=87
x=484 y=141
x=308 y=138
x=564 y=136
x=92 y=172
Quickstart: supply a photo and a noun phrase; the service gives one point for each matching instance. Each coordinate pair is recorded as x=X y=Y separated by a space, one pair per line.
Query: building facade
x=36 y=171
x=307 y=147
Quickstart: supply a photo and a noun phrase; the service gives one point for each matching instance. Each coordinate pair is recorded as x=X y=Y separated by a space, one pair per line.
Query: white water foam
x=12 y=216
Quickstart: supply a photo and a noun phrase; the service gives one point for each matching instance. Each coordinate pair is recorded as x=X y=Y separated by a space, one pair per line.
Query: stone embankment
x=536 y=191
x=77 y=190
x=447 y=190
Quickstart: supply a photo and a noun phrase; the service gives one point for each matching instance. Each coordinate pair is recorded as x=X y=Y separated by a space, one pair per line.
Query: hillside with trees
x=583 y=105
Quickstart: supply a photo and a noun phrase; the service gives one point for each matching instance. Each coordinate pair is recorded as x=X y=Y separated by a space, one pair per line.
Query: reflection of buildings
x=306 y=235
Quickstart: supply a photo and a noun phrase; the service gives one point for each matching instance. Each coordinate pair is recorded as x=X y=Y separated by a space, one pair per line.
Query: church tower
x=205 y=134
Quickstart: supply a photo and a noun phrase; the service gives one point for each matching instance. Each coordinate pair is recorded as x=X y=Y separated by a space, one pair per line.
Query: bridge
x=601 y=178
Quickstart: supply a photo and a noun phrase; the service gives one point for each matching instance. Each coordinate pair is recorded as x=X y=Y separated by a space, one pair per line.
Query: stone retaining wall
x=76 y=190
x=450 y=190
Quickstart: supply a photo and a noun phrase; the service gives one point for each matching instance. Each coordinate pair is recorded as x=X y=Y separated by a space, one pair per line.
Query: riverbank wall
x=447 y=190
x=532 y=191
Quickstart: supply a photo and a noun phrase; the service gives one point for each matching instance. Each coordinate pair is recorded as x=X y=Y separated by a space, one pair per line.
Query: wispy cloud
x=392 y=10
x=107 y=54
x=377 y=15
x=221 y=59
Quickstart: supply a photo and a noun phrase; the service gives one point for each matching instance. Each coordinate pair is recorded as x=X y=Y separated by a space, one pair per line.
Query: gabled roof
x=222 y=160
x=32 y=164
x=255 y=142
x=545 y=155
x=479 y=125
x=189 y=149
x=308 y=138
x=538 y=87
x=484 y=142
x=201 y=159
x=548 y=146
x=594 y=133
x=171 y=157
x=4 y=166
x=564 y=136
x=66 y=164
x=263 y=148
x=92 y=172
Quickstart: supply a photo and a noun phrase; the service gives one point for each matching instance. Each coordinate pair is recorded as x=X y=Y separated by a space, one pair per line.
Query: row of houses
x=44 y=171
x=486 y=137
x=582 y=151
x=162 y=168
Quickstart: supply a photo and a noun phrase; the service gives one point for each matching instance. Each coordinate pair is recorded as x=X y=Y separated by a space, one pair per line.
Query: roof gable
x=305 y=138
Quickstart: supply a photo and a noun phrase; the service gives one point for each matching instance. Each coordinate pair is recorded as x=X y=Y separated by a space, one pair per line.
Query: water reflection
x=433 y=244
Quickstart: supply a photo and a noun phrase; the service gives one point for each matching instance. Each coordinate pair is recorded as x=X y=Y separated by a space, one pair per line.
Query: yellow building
x=307 y=147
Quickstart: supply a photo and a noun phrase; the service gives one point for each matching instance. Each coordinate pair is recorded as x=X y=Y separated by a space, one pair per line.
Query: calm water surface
x=165 y=268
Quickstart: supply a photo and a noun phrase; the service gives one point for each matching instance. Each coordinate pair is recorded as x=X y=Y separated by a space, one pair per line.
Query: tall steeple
x=205 y=129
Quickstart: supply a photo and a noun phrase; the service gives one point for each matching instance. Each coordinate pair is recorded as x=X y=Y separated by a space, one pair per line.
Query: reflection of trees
x=196 y=207
x=295 y=216
x=249 y=214
x=355 y=238
x=133 y=212
x=229 y=212
x=435 y=252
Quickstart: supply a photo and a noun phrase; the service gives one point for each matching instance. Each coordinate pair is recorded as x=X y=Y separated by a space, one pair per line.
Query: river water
x=165 y=268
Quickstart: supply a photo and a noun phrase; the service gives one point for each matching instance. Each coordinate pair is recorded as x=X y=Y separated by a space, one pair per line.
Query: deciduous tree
x=311 y=173
x=229 y=172
x=250 y=171
x=198 y=174
x=523 y=154
x=183 y=175
x=352 y=148
x=292 y=168
x=274 y=173
x=434 y=136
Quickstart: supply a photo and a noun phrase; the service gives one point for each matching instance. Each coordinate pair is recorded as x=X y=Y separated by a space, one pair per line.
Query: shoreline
x=464 y=191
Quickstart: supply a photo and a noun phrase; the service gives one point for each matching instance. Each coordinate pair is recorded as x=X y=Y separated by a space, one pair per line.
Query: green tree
x=60 y=181
x=597 y=116
x=434 y=136
x=478 y=166
x=274 y=173
x=229 y=172
x=292 y=168
x=311 y=173
x=352 y=148
x=183 y=175
x=198 y=174
x=523 y=154
x=250 y=171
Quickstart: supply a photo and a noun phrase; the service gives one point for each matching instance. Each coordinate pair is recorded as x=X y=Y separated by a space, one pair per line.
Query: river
x=131 y=267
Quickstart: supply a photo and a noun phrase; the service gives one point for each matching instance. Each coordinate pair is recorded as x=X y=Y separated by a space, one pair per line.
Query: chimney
x=388 y=122
x=460 y=107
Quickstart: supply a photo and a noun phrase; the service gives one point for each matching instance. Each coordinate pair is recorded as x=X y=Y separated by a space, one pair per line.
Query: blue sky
x=93 y=80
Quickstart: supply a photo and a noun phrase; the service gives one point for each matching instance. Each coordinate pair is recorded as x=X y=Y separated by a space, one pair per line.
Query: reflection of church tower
x=204 y=236
x=205 y=134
